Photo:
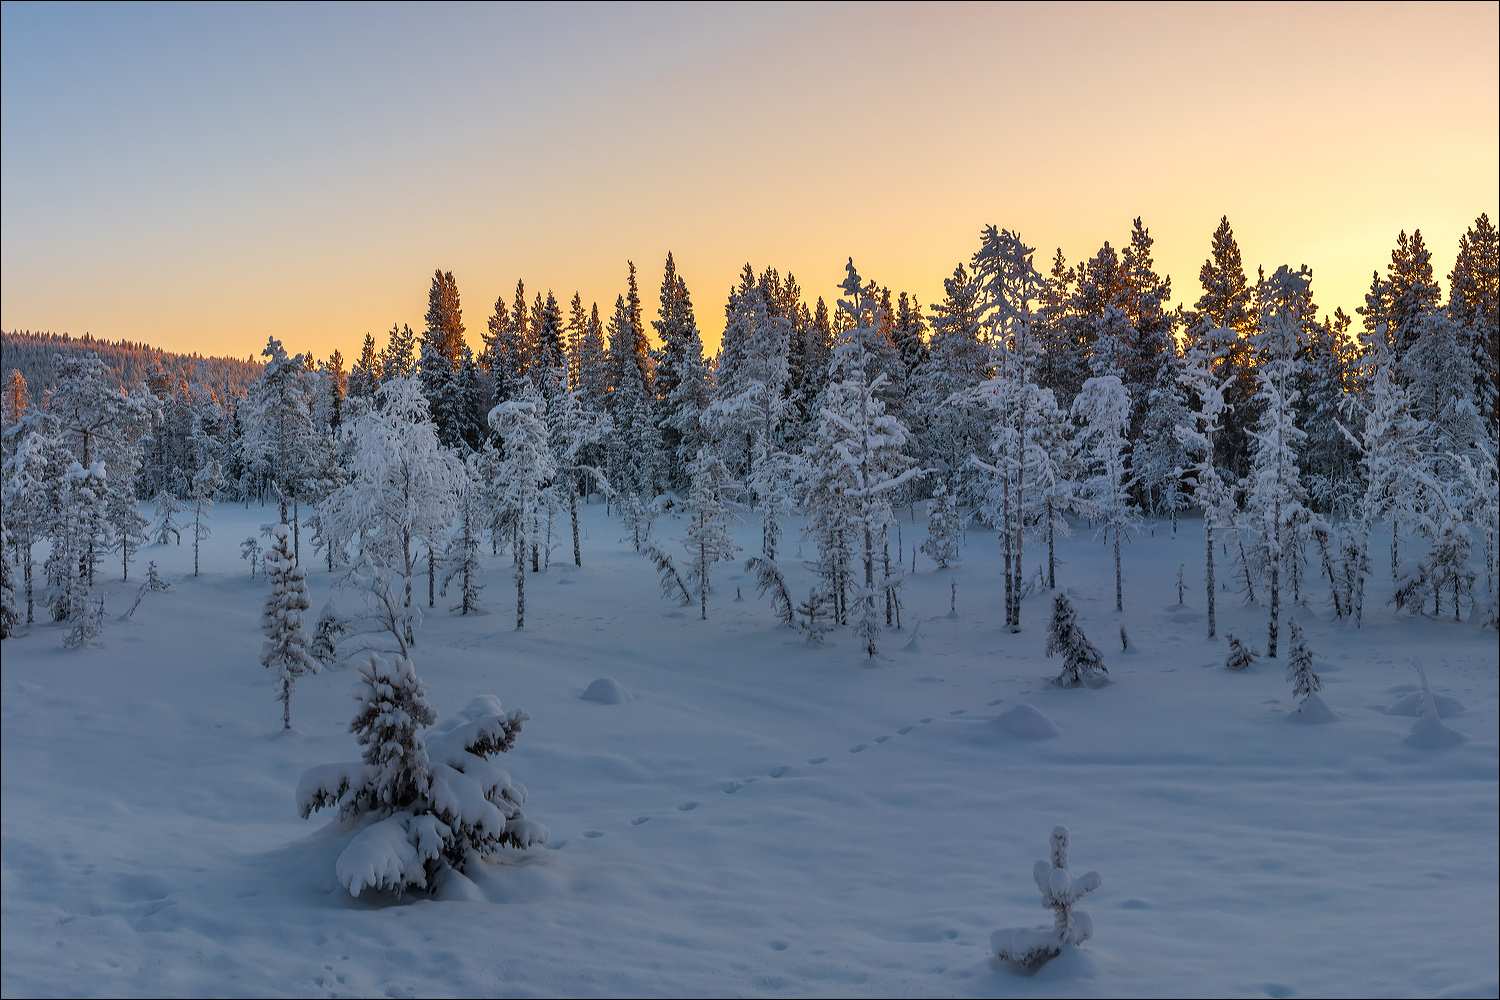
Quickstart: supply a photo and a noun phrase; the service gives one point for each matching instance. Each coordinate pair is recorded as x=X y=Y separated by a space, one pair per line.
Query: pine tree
x=683 y=380
x=285 y=647
x=1222 y=327
x=128 y=526
x=1081 y=660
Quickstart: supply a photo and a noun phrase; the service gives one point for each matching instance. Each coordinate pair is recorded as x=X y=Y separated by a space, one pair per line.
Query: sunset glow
x=203 y=178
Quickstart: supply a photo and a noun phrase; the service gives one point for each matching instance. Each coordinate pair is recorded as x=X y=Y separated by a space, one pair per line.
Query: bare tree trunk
x=1119 y=586
x=573 y=512
x=1208 y=533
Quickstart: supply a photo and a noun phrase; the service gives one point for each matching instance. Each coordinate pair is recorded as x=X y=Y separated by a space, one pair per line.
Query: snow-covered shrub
x=428 y=804
x=1241 y=655
x=945 y=528
x=87 y=623
x=1081 y=660
x=285 y=647
x=1124 y=640
x=1299 y=666
x=1061 y=890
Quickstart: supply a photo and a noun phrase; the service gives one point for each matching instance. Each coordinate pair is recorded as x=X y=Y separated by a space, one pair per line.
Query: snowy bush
x=1081 y=660
x=87 y=623
x=426 y=804
x=817 y=614
x=1061 y=890
x=250 y=549
x=1241 y=655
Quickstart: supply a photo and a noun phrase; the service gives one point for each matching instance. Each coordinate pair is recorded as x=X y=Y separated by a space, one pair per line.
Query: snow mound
x=1411 y=705
x=1026 y=722
x=606 y=691
x=1313 y=711
x=1430 y=734
x=1024 y=950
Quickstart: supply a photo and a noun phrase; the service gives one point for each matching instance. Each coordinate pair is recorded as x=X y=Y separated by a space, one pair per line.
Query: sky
x=202 y=178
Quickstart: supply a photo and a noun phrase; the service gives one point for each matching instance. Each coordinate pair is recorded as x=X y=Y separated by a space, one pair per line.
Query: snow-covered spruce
x=1081 y=660
x=285 y=646
x=331 y=625
x=817 y=614
x=423 y=804
x=154 y=584
x=1299 y=666
x=87 y=623
x=1241 y=656
x=945 y=527
x=1061 y=890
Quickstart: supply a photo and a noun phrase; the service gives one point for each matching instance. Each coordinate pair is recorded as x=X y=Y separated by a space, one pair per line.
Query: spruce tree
x=285 y=647
x=1082 y=662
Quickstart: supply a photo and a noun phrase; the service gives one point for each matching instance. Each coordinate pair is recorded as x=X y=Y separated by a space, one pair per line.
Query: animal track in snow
x=687 y=807
x=591 y=834
x=858 y=747
x=904 y=730
x=778 y=770
x=818 y=760
x=881 y=739
x=639 y=820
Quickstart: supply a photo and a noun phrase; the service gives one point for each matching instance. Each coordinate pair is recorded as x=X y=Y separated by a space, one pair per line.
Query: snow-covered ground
x=764 y=816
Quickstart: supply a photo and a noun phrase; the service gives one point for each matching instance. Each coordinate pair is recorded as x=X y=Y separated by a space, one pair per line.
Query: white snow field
x=741 y=813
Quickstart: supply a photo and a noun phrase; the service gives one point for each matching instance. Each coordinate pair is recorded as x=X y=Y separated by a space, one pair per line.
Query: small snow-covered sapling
x=1180 y=568
x=154 y=583
x=1124 y=640
x=1061 y=890
x=1081 y=659
x=88 y=624
x=250 y=549
x=953 y=599
x=331 y=625
x=1241 y=655
x=1299 y=666
x=814 y=611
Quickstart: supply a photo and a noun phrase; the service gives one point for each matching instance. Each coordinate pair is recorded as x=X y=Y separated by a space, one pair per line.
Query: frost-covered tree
x=167 y=508
x=683 y=381
x=1277 y=499
x=707 y=539
x=855 y=462
x=1061 y=891
x=207 y=482
x=401 y=491
x=528 y=464
x=1299 y=665
x=1160 y=456
x=437 y=799
x=1213 y=495
x=463 y=563
x=285 y=647
x=280 y=425
x=1241 y=656
x=24 y=497
x=579 y=437
x=750 y=398
x=945 y=528
x=128 y=526
x=1448 y=566
x=10 y=610
x=1081 y=660
x=154 y=584
x=1103 y=407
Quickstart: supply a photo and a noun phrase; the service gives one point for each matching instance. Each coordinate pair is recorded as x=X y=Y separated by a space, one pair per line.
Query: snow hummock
x=606 y=691
x=1026 y=722
x=1428 y=732
x=1313 y=711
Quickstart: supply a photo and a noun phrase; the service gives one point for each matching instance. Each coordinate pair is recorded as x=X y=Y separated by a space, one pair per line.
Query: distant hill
x=31 y=354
